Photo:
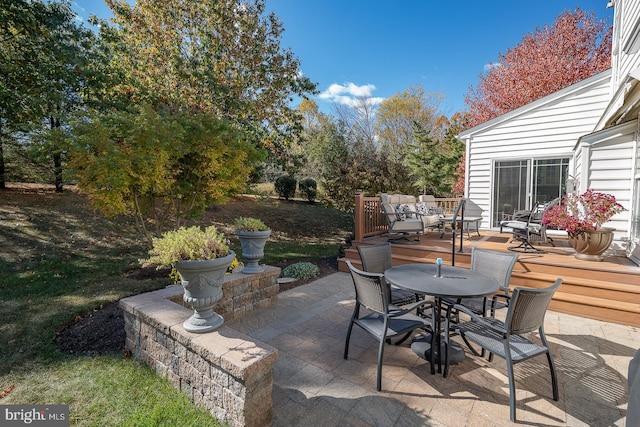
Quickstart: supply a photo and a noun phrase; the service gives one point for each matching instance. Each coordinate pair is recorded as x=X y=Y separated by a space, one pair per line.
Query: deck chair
x=380 y=321
x=378 y=259
x=525 y=314
x=498 y=265
x=539 y=232
x=402 y=223
x=530 y=231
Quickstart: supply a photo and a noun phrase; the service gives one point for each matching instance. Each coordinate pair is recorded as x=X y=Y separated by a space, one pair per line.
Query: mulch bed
x=101 y=331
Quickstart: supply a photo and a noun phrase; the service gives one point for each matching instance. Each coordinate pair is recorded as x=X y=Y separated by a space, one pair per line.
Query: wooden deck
x=607 y=290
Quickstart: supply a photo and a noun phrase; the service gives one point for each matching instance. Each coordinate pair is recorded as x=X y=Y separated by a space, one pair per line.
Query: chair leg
x=554 y=379
x=432 y=357
x=473 y=350
x=380 y=354
x=403 y=339
x=512 y=383
x=346 y=344
x=445 y=373
x=354 y=316
x=526 y=247
x=552 y=366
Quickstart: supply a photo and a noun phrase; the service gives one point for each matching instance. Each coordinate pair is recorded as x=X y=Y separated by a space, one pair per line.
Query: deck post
x=358 y=217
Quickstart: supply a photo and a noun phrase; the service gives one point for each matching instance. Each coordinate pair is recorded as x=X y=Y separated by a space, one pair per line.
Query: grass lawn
x=59 y=260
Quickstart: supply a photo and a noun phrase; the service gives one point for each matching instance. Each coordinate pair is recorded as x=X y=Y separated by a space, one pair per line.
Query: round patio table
x=454 y=282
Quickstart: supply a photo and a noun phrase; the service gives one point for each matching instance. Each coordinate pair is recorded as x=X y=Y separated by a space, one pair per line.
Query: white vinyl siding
x=609 y=163
x=547 y=128
x=626 y=16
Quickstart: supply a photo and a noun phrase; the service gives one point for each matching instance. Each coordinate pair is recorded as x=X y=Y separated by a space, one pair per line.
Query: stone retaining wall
x=229 y=373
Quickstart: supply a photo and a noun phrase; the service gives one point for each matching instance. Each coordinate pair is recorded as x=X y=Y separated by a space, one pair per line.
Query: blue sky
x=379 y=48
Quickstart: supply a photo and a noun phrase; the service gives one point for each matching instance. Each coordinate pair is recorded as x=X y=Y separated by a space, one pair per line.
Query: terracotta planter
x=202 y=282
x=591 y=245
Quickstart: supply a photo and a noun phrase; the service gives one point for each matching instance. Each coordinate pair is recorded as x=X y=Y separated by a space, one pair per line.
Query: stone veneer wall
x=229 y=373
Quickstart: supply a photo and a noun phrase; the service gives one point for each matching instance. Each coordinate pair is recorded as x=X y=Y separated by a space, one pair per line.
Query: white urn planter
x=253 y=243
x=202 y=281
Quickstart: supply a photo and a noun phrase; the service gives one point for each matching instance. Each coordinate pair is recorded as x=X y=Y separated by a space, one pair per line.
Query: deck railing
x=370 y=221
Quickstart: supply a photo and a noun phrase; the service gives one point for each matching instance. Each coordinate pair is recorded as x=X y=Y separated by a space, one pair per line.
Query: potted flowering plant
x=582 y=216
x=199 y=259
x=253 y=235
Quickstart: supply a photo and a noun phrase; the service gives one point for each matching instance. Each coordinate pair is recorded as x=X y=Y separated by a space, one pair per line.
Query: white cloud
x=350 y=94
x=490 y=66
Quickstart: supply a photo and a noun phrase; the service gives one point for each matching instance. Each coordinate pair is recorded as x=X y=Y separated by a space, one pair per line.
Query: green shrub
x=286 y=186
x=301 y=271
x=249 y=224
x=308 y=188
x=186 y=244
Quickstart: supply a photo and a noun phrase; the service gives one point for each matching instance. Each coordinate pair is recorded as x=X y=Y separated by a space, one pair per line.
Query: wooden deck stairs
x=607 y=291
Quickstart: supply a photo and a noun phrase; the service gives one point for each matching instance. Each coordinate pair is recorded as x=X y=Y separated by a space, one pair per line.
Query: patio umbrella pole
x=464 y=203
x=454 y=227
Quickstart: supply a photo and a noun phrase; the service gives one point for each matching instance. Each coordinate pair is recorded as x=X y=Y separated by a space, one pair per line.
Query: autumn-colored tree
x=343 y=153
x=161 y=169
x=458 y=186
x=575 y=47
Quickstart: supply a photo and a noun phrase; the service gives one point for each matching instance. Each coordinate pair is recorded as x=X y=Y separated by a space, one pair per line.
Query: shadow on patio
x=314 y=385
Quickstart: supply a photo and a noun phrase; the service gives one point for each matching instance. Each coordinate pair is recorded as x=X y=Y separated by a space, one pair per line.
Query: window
x=519 y=184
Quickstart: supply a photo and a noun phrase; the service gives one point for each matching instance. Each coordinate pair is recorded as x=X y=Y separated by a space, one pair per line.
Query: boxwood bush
x=286 y=186
x=301 y=271
x=308 y=188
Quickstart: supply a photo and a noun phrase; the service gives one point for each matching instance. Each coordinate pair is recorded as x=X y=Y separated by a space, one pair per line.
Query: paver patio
x=314 y=385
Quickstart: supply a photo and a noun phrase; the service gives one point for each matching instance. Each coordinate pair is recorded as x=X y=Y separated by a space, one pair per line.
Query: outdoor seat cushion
x=395 y=199
x=518 y=225
x=407 y=225
x=431 y=220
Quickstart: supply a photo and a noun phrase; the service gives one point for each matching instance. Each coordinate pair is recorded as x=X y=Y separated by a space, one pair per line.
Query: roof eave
x=536 y=104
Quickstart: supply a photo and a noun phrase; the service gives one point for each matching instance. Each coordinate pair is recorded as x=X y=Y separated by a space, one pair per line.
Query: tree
x=358 y=123
x=42 y=54
x=218 y=57
x=397 y=116
x=161 y=168
x=21 y=27
x=433 y=162
x=451 y=128
x=575 y=47
x=63 y=60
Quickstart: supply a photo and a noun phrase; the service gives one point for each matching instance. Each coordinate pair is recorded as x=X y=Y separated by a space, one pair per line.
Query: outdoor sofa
x=405 y=214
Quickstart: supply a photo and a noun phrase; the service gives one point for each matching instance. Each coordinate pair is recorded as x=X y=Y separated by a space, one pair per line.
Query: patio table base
x=421 y=345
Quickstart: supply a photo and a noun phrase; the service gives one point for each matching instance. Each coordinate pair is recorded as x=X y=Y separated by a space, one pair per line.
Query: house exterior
x=583 y=136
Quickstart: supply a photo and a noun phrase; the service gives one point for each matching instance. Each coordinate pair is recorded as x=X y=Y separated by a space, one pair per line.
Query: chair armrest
x=411 y=307
x=488 y=322
x=494 y=301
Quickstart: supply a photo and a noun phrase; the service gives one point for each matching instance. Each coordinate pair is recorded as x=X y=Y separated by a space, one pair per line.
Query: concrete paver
x=314 y=385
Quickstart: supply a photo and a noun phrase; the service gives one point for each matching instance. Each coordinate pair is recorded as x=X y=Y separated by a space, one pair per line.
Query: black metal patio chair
x=506 y=339
x=373 y=314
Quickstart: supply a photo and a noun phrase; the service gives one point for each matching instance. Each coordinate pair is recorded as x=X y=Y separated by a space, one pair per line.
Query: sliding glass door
x=509 y=188
x=549 y=179
x=520 y=184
